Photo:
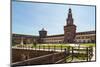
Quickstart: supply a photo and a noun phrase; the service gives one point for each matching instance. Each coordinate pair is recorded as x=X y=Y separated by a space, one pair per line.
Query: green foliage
x=35 y=44
x=13 y=43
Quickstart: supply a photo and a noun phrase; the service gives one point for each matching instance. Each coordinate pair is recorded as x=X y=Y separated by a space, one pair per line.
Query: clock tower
x=69 y=29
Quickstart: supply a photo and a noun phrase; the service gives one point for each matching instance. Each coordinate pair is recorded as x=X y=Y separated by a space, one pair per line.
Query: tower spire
x=70 y=10
x=69 y=19
x=70 y=13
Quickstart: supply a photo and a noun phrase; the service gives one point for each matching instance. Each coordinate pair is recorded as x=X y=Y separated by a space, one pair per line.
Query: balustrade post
x=72 y=53
x=87 y=53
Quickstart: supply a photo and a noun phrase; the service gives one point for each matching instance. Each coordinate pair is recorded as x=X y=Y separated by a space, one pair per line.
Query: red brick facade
x=69 y=29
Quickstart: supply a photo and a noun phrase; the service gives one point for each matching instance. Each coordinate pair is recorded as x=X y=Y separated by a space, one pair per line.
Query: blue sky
x=29 y=18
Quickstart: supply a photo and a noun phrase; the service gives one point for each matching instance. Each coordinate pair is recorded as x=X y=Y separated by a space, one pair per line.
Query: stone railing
x=45 y=59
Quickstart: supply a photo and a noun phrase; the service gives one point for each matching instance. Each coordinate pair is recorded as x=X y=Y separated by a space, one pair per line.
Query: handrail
x=34 y=58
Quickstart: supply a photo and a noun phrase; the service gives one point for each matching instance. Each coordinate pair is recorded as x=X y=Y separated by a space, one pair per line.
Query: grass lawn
x=88 y=44
x=55 y=46
x=64 y=45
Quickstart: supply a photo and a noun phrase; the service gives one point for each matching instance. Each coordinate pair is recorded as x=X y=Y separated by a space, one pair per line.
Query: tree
x=34 y=43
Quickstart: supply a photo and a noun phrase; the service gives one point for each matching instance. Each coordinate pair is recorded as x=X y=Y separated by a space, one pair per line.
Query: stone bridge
x=30 y=57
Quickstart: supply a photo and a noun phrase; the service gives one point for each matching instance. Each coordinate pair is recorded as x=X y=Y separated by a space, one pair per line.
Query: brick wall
x=24 y=54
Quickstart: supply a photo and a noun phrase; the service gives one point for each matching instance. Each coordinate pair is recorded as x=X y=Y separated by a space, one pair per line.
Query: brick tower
x=69 y=29
x=42 y=33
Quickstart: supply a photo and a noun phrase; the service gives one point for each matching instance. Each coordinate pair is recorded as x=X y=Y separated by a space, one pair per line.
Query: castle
x=70 y=35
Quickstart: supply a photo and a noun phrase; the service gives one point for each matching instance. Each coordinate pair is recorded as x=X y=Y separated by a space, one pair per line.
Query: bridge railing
x=45 y=59
x=60 y=57
x=82 y=53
